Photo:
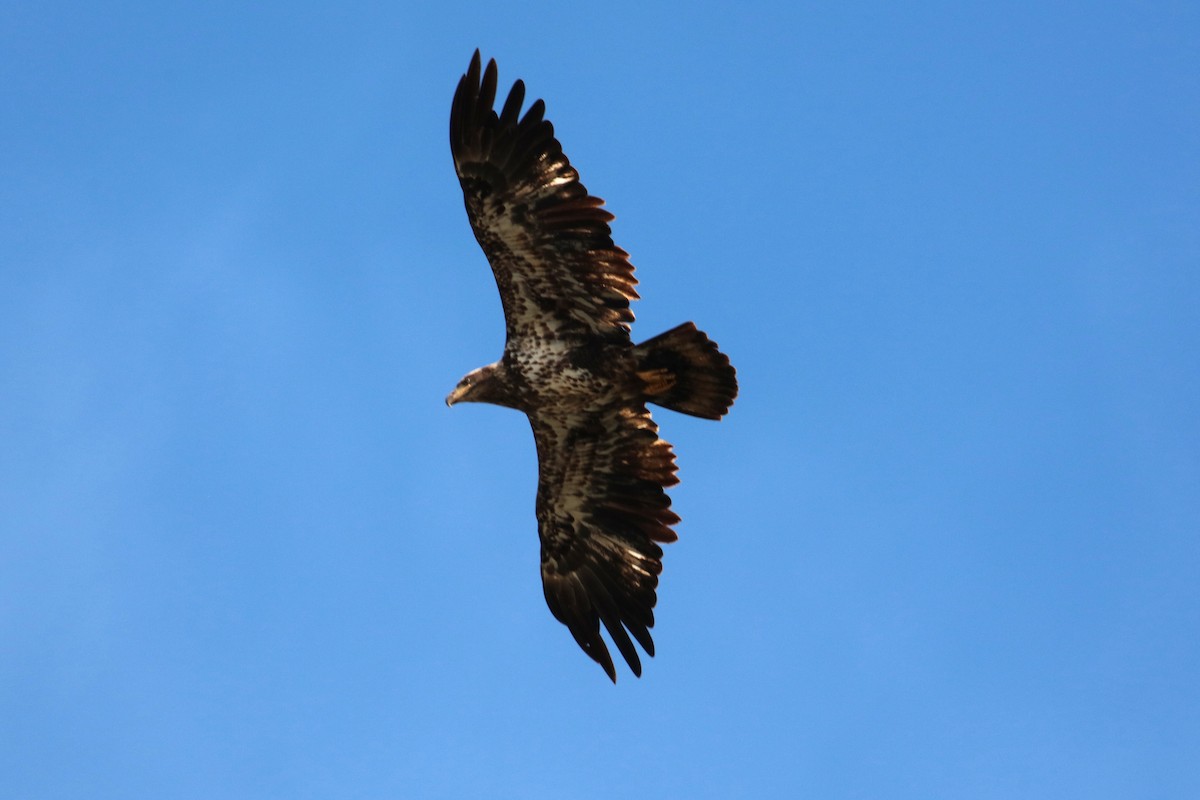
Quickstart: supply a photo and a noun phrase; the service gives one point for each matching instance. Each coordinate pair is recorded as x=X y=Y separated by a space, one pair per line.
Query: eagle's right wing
x=602 y=513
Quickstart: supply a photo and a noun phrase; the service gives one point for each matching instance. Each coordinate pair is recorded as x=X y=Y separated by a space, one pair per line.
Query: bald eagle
x=570 y=366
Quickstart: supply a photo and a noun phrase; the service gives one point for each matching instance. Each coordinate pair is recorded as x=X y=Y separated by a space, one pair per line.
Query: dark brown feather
x=530 y=214
x=690 y=375
x=601 y=508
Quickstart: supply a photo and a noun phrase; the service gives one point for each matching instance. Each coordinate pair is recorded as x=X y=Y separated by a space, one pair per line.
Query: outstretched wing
x=602 y=513
x=547 y=239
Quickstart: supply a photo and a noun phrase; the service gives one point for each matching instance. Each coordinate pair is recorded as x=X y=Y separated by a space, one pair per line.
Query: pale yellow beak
x=456 y=395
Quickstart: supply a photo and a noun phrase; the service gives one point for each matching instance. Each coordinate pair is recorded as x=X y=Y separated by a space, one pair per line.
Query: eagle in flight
x=571 y=367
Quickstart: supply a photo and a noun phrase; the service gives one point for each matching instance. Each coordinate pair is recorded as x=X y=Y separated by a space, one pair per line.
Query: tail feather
x=684 y=371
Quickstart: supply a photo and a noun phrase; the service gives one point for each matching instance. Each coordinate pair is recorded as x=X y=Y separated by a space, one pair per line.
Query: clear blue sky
x=947 y=545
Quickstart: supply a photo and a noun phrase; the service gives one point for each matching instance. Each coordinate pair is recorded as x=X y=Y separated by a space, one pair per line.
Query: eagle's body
x=569 y=364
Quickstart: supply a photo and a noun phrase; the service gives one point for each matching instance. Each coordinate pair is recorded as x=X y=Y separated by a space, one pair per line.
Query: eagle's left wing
x=547 y=239
x=601 y=513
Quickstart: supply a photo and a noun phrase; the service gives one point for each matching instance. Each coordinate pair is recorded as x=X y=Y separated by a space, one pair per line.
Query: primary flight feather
x=571 y=367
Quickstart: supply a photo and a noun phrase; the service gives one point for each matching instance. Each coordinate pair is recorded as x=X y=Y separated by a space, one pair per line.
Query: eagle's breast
x=571 y=374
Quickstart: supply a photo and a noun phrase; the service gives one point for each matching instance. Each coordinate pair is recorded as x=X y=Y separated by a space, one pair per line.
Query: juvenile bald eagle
x=571 y=367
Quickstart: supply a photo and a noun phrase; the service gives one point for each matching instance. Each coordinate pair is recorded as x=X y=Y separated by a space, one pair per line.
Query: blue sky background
x=946 y=545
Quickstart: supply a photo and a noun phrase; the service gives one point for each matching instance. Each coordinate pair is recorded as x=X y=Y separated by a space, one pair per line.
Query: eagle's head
x=484 y=385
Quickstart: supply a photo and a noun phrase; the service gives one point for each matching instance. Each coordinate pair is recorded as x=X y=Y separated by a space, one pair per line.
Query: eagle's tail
x=683 y=370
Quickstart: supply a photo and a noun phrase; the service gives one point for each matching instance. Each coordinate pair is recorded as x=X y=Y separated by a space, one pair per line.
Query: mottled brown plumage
x=571 y=367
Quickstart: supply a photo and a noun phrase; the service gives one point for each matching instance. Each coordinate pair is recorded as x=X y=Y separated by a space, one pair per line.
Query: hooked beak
x=456 y=395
